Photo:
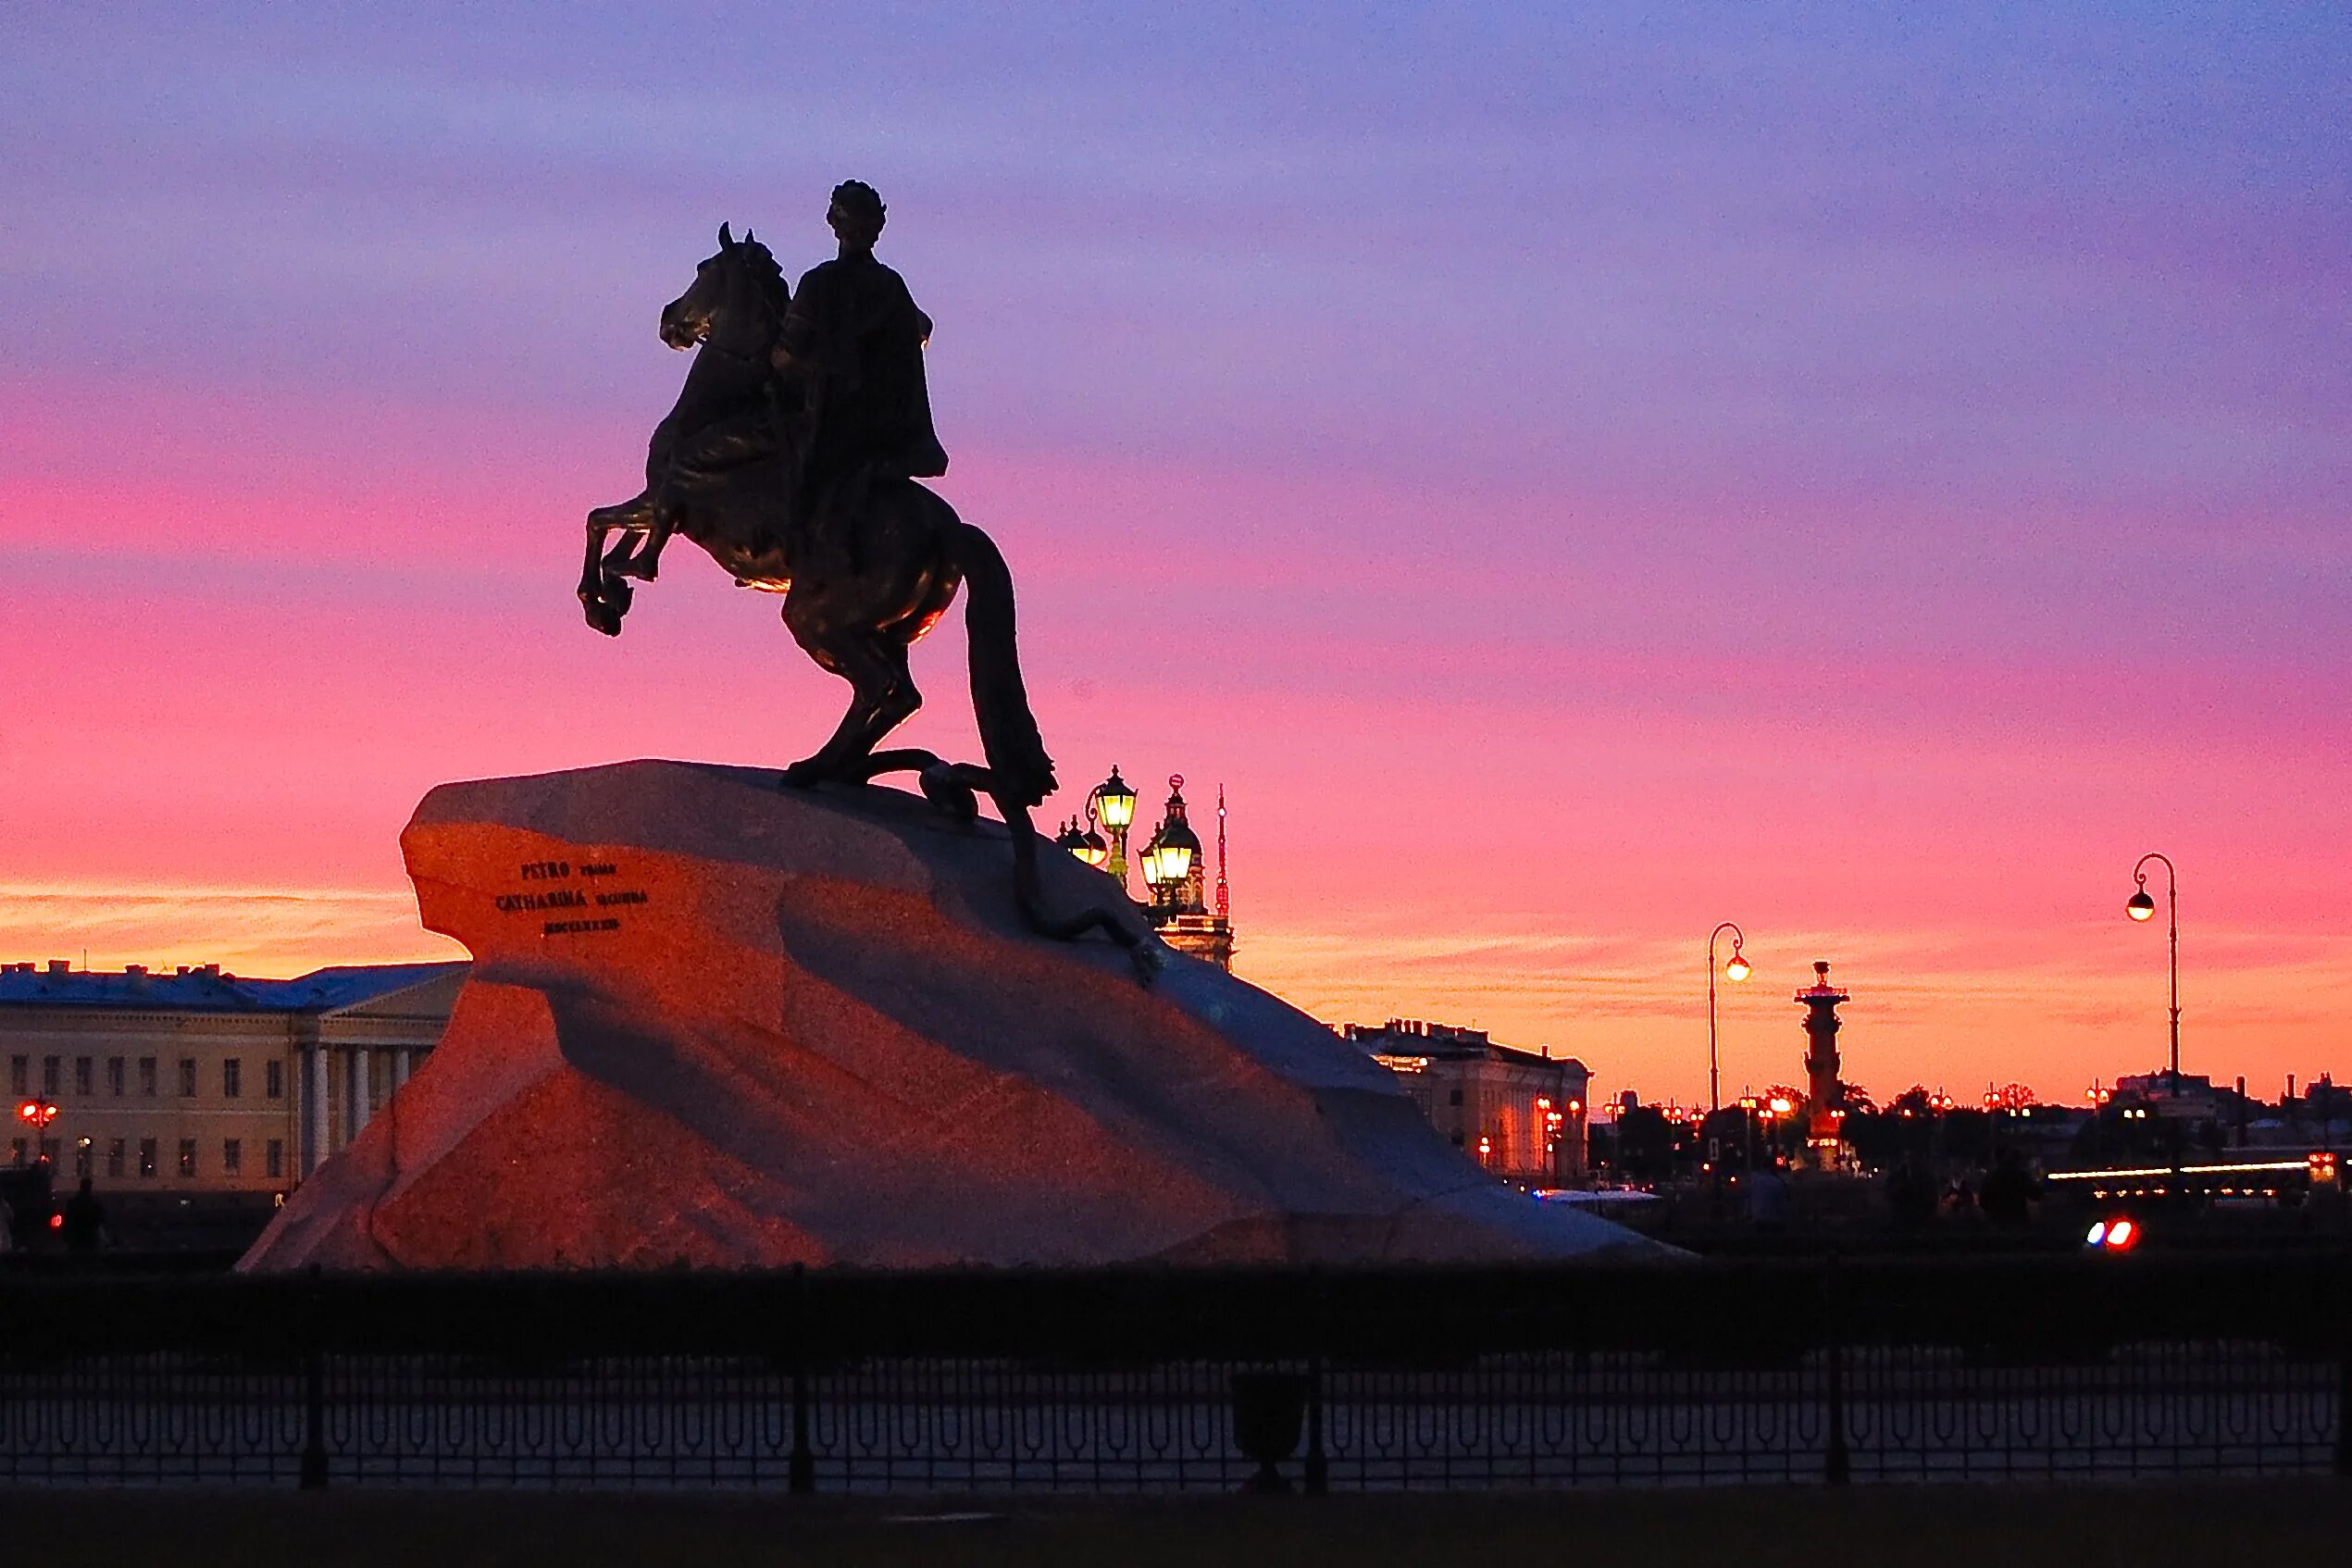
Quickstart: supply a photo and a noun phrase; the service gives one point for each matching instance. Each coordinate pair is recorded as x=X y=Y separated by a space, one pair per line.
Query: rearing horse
x=720 y=471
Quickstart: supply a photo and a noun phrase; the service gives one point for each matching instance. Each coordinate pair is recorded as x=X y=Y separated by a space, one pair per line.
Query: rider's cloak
x=855 y=331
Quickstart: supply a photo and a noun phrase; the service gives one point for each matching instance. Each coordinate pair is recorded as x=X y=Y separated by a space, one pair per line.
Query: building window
x=147 y=1076
x=20 y=1075
x=114 y=1157
x=273 y=1157
x=146 y=1156
x=1454 y=1097
x=1457 y=1138
x=232 y=1155
x=233 y=1078
x=49 y=1065
x=49 y=1150
x=187 y=1078
x=273 y=1080
x=85 y=1152
x=17 y=1148
x=187 y=1156
x=85 y=1079
x=114 y=1077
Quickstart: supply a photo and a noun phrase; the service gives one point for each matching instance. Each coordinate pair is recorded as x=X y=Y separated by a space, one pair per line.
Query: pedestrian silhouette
x=86 y=1217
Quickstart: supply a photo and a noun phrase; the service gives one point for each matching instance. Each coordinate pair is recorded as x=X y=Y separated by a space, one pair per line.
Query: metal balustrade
x=1977 y=1369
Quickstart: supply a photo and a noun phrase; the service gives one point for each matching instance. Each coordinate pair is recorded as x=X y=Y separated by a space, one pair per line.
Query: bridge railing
x=1887 y=1368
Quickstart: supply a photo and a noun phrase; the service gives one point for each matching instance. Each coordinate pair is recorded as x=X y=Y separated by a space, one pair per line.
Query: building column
x=400 y=1062
x=355 y=1073
x=314 y=1091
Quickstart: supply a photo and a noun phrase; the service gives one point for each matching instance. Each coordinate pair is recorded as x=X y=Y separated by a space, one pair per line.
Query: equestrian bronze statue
x=792 y=457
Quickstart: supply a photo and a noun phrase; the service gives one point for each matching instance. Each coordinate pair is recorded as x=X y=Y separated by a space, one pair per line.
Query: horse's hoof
x=619 y=595
x=953 y=798
x=601 y=613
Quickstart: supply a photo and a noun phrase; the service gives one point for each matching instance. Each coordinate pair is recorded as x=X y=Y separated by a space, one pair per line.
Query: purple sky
x=1547 y=435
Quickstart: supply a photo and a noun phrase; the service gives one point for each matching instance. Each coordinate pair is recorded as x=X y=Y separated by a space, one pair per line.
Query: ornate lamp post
x=1175 y=871
x=1168 y=861
x=38 y=1114
x=1111 y=803
x=1736 y=968
x=2142 y=906
x=1082 y=841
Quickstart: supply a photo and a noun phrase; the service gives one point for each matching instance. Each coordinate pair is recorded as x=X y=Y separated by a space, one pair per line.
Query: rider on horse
x=790 y=460
x=849 y=364
x=840 y=398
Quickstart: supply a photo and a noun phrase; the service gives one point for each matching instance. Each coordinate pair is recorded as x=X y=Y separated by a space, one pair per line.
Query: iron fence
x=1808 y=1370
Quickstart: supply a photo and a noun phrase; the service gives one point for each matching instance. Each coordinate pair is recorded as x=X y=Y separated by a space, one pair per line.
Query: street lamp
x=1111 y=803
x=1167 y=862
x=1082 y=841
x=38 y=1114
x=1735 y=969
x=2141 y=906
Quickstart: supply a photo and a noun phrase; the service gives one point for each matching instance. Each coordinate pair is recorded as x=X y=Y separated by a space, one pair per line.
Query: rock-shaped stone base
x=716 y=1022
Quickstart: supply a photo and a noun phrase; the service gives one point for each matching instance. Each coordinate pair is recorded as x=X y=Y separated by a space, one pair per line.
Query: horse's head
x=737 y=284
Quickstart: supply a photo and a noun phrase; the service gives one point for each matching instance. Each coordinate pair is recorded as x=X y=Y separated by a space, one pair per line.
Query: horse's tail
x=1008 y=729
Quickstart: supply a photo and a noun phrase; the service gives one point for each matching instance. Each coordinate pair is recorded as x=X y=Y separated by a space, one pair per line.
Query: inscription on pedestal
x=541 y=899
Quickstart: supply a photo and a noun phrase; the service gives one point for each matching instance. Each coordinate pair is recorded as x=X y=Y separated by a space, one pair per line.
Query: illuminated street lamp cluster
x=1554 y=1120
x=1167 y=862
x=1175 y=897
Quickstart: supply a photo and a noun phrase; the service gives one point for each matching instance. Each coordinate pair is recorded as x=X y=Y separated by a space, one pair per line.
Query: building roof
x=206 y=990
x=1447 y=1043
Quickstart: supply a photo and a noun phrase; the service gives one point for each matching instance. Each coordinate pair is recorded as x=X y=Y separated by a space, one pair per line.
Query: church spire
x=1225 y=900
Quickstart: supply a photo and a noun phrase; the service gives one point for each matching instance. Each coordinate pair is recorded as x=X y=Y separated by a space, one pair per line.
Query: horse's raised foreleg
x=603 y=596
x=639 y=552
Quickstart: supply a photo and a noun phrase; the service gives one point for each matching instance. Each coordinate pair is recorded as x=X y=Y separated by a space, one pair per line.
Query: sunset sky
x=1573 y=477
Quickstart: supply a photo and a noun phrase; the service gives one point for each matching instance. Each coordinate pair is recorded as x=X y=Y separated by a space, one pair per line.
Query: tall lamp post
x=2142 y=906
x=1736 y=968
x=38 y=1114
x=1112 y=805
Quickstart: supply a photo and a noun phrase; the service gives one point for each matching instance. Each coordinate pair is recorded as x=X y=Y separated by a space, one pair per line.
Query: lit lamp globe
x=1738 y=968
x=1178 y=848
x=1154 y=872
x=1082 y=842
x=1115 y=801
x=2141 y=907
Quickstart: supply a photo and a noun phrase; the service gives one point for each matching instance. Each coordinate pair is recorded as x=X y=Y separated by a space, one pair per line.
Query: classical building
x=1520 y=1113
x=198 y=1082
x=2188 y=1096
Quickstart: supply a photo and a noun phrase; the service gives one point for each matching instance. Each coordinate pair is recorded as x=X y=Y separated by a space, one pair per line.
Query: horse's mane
x=760 y=262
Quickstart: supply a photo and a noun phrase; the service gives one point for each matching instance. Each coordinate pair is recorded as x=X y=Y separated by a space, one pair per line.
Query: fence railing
x=1884 y=1369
